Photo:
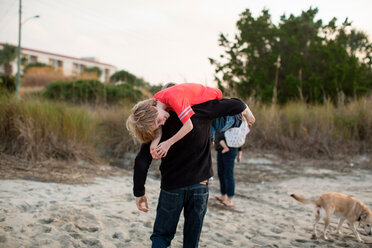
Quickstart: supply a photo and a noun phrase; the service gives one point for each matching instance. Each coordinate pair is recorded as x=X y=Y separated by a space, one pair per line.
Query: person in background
x=226 y=161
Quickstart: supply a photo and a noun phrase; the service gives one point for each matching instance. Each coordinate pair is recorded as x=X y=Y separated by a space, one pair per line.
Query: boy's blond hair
x=142 y=119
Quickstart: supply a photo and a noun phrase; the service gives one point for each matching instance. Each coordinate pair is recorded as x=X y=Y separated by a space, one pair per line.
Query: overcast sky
x=159 y=40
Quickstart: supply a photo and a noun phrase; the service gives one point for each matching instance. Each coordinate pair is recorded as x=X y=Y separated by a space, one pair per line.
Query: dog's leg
x=356 y=234
x=326 y=224
x=317 y=218
x=340 y=226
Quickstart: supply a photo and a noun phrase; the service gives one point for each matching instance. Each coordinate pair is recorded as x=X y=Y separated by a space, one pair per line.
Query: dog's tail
x=302 y=199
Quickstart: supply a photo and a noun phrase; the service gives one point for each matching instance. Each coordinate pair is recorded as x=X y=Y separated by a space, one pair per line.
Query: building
x=70 y=66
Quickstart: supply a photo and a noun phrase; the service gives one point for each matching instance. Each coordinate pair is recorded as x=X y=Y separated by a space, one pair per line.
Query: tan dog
x=344 y=206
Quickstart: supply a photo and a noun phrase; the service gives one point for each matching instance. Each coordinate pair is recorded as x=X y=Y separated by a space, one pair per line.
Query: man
x=184 y=174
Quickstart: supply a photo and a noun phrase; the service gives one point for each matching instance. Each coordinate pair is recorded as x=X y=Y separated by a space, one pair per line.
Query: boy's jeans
x=193 y=200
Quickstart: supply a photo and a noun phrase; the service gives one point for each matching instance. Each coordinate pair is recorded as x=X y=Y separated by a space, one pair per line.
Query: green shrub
x=37 y=64
x=7 y=83
x=91 y=91
x=94 y=69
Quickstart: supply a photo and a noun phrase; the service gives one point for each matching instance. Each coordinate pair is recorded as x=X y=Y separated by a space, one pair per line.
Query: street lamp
x=32 y=17
x=19 y=46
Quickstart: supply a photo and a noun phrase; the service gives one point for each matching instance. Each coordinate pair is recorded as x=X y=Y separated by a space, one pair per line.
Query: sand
x=104 y=214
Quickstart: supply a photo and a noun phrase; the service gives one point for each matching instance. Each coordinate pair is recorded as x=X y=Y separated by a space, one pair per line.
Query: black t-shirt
x=188 y=161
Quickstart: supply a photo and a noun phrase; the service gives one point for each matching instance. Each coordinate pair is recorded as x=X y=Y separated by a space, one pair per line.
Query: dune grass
x=313 y=130
x=38 y=129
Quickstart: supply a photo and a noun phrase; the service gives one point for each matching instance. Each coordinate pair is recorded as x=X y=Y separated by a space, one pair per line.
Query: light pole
x=18 y=83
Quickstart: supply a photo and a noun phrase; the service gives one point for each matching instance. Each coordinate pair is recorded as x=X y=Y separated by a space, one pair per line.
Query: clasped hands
x=160 y=151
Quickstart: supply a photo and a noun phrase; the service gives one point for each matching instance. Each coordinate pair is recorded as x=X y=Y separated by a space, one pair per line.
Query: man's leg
x=168 y=212
x=195 y=207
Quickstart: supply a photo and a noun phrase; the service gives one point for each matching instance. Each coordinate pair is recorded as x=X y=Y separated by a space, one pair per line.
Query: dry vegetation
x=35 y=129
x=42 y=76
x=312 y=131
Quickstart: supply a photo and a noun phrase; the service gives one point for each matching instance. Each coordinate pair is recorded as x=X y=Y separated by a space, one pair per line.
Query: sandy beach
x=103 y=213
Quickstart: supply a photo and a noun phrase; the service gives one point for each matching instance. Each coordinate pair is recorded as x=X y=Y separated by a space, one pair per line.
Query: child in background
x=226 y=136
x=224 y=146
x=226 y=122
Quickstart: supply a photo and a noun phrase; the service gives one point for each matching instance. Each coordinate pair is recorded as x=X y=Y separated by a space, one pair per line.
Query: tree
x=7 y=55
x=317 y=61
x=128 y=78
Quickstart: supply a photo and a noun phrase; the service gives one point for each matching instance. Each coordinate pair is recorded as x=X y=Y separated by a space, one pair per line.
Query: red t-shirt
x=181 y=97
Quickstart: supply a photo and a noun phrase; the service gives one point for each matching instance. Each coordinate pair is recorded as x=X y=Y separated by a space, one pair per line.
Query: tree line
x=299 y=59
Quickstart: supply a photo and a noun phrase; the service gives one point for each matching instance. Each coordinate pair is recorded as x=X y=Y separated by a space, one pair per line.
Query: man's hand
x=142 y=200
x=154 y=153
x=249 y=116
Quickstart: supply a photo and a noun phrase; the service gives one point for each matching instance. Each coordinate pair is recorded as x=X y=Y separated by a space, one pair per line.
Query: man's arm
x=141 y=166
x=218 y=108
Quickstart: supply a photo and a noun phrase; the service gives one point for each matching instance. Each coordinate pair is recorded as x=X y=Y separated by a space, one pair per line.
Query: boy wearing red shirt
x=149 y=115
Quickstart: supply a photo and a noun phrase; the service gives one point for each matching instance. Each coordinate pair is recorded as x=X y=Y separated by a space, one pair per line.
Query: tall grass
x=35 y=128
x=313 y=130
x=38 y=129
x=113 y=138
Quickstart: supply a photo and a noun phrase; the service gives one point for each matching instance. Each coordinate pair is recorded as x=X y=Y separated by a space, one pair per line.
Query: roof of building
x=60 y=55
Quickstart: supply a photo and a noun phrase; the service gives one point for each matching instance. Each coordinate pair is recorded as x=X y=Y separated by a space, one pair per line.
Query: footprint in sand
x=88 y=229
x=92 y=242
x=46 y=229
x=118 y=235
x=46 y=221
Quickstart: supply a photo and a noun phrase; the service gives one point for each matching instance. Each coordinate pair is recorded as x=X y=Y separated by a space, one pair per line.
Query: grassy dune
x=37 y=129
x=313 y=130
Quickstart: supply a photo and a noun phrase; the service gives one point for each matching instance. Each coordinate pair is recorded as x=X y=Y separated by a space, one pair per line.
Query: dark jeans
x=225 y=166
x=193 y=200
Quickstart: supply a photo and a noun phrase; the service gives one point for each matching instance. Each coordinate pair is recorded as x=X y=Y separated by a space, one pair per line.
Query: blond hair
x=142 y=119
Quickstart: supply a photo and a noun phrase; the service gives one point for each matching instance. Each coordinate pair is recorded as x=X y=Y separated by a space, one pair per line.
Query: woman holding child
x=228 y=147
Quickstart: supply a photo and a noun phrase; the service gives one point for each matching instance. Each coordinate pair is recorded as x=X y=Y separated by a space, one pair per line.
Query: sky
x=159 y=40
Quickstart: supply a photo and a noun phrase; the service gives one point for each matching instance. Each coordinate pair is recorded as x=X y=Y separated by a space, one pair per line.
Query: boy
x=149 y=115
